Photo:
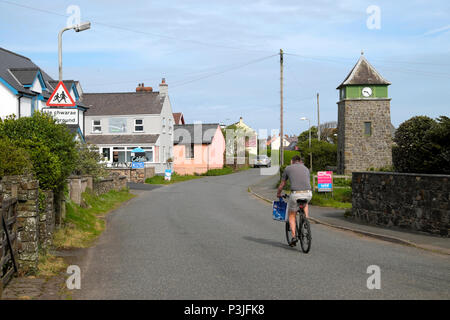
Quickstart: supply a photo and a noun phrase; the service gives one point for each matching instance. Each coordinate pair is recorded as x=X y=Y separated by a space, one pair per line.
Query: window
x=117 y=125
x=164 y=125
x=106 y=153
x=368 y=128
x=96 y=126
x=149 y=154
x=118 y=154
x=189 y=151
x=138 y=125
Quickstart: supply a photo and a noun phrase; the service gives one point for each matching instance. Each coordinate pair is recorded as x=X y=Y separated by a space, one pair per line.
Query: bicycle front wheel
x=305 y=235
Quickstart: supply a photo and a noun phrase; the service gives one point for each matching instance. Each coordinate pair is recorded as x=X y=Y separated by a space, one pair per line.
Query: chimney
x=163 y=88
x=141 y=88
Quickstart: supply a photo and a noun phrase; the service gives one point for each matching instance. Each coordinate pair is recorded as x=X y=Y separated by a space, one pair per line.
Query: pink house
x=198 y=148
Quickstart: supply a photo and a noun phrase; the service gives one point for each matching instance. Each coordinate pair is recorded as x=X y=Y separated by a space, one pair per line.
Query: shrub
x=13 y=159
x=422 y=146
x=89 y=161
x=50 y=145
x=323 y=154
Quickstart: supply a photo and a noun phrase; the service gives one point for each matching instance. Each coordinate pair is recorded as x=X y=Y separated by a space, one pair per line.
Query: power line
x=223 y=71
x=136 y=31
x=396 y=68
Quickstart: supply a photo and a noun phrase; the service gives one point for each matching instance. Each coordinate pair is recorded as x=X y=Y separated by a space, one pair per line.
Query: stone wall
x=28 y=219
x=114 y=182
x=47 y=219
x=79 y=184
x=134 y=175
x=37 y=211
x=357 y=151
x=417 y=202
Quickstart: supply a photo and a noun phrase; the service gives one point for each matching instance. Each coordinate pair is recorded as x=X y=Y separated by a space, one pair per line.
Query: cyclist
x=299 y=177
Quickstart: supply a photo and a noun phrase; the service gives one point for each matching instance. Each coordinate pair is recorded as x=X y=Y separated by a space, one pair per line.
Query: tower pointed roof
x=363 y=73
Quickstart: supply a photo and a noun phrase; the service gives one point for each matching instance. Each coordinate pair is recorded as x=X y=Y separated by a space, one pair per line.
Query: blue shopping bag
x=279 y=212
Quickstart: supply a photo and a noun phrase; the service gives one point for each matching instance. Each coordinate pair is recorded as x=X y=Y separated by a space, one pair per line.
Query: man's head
x=296 y=159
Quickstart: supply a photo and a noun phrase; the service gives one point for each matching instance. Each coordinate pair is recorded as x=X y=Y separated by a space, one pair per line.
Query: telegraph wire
x=136 y=31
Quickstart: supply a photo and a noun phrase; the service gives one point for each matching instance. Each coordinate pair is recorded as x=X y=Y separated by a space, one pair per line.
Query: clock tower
x=364 y=120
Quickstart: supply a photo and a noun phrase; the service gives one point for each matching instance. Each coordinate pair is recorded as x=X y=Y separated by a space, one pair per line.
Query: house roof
x=363 y=73
x=19 y=71
x=122 y=138
x=122 y=103
x=178 y=118
x=187 y=133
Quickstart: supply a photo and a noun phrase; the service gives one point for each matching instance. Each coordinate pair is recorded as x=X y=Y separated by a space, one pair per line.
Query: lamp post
x=79 y=27
x=310 y=151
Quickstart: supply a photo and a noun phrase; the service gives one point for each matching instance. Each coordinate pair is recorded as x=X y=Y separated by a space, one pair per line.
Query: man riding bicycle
x=299 y=177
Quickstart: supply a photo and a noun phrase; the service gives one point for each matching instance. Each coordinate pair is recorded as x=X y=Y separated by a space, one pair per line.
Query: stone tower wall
x=357 y=151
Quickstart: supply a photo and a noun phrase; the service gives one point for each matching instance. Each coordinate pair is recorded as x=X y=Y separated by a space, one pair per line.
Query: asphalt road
x=210 y=239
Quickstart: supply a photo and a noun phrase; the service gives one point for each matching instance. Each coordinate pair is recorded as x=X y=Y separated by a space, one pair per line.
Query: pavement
x=266 y=190
x=210 y=239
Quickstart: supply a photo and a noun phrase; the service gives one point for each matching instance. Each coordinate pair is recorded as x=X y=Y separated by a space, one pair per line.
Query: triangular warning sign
x=60 y=97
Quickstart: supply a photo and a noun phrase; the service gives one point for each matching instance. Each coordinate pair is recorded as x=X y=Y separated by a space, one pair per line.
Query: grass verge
x=179 y=178
x=341 y=198
x=84 y=224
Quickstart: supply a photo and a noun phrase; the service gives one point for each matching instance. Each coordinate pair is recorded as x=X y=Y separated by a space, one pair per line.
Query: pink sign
x=325 y=180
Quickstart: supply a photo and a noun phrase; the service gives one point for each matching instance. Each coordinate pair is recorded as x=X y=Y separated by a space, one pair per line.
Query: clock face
x=366 y=92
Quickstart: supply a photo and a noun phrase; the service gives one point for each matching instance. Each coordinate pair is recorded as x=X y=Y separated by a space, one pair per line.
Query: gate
x=8 y=240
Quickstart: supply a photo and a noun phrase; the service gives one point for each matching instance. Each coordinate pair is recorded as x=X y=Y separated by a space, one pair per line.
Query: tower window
x=368 y=128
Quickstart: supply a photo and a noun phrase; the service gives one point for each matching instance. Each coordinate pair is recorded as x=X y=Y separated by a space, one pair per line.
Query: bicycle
x=303 y=227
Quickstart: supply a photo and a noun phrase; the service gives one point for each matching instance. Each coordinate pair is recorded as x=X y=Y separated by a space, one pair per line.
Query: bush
x=89 y=161
x=323 y=154
x=50 y=146
x=422 y=146
x=13 y=159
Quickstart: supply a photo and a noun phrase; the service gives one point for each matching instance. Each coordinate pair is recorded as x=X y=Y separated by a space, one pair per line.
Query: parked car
x=263 y=161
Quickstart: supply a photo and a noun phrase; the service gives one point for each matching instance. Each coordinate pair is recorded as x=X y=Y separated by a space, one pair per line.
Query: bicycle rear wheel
x=305 y=235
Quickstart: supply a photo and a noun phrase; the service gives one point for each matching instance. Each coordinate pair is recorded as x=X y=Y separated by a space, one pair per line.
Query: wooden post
x=281 y=110
x=318 y=118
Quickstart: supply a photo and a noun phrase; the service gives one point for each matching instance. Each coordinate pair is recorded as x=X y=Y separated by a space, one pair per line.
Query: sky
x=221 y=58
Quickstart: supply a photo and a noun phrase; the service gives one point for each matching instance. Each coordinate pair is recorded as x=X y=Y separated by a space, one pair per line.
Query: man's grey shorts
x=296 y=195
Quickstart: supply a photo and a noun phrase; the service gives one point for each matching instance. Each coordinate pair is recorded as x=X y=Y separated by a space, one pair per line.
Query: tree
x=50 y=146
x=422 y=146
x=304 y=136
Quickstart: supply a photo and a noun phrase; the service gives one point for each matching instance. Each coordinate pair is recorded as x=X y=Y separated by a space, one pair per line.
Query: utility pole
x=318 y=118
x=281 y=110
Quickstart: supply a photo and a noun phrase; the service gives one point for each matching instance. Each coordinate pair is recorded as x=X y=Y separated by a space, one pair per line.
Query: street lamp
x=310 y=151
x=78 y=27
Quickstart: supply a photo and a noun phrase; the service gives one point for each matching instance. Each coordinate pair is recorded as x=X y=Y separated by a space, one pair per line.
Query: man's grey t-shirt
x=299 y=177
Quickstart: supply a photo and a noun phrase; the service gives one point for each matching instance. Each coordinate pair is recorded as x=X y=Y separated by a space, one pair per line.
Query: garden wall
x=79 y=184
x=417 y=202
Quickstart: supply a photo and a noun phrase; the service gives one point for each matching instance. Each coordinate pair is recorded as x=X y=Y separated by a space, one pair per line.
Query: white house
x=274 y=142
x=120 y=122
x=25 y=88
